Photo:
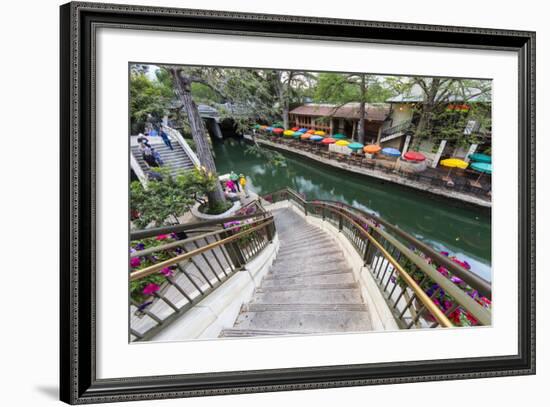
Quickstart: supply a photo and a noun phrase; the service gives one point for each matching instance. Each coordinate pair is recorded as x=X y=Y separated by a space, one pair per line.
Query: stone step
x=309 y=296
x=309 y=270
x=312 y=256
x=305 y=264
x=303 y=307
x=295 y=287
x=309 y=320
x=243 y=333
x=318 y=245
x=319 y=279
x=293 y=239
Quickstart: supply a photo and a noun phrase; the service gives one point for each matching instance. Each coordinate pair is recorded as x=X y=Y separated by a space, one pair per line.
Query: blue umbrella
x=482 y=158
x=302 y=130
x=316 y=138
x=392 y=152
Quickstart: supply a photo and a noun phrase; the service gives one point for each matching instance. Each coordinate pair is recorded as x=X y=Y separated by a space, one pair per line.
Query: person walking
x=147 y=154
x=166 y=139
x=242 y=183
x=235 y=178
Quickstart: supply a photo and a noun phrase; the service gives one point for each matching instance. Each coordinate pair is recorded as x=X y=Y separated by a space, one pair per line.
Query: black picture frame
x=78 y=382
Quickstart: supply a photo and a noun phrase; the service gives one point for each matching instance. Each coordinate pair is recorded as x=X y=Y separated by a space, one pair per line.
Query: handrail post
x=234 y=252
x=340 y=221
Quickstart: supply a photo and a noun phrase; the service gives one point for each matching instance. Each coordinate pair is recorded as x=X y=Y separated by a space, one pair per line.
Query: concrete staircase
x=176 y=159
x=309 y=289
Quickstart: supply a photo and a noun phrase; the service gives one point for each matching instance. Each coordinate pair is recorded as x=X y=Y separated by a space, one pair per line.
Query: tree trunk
x=183 y=91
x=361 y=127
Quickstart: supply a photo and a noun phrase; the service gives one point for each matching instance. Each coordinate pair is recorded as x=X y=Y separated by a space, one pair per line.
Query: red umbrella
x=328 y=140
x=295 y=129
x=414 y=156
x=278 y=130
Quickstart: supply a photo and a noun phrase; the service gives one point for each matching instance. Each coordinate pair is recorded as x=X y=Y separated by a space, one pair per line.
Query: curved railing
x=170 y=275
x=421 y=287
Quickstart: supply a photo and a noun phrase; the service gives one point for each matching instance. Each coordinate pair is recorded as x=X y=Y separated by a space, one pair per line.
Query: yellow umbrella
x=342 y=143
x=288 y=133
x=320 y=133
x=453 y=163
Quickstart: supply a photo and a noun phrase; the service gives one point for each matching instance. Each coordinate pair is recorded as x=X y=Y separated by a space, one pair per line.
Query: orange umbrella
x=305 y=136
x=311 y=131
x=372 y=149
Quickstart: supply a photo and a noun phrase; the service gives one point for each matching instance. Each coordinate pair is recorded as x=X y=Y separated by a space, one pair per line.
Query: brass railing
x=417 y=290
x=168 y=279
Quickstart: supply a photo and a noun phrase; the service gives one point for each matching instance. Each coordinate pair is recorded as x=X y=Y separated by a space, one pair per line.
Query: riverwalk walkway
x=389 y=176
x=310 y=287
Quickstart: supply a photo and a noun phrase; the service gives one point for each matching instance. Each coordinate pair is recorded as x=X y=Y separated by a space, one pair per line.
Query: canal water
x=445 y=224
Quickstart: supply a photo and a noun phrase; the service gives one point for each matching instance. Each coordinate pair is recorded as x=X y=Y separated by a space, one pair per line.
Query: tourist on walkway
x=242 y=183
x=166 y=139
x=235 y=178
x=231 y=185
x=147 y=154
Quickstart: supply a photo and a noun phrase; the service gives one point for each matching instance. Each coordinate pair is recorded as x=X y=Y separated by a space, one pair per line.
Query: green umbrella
x=481 y=158
x=339 y=136
x=355 y=146
x=257 y=126
x=482 y=168
x=297 y=134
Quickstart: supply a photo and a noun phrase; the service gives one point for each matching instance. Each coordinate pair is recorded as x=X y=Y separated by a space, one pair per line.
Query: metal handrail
x=475 y=281
x=186 y=279
x=136 y=275
x=164 y=230
x=183 y=242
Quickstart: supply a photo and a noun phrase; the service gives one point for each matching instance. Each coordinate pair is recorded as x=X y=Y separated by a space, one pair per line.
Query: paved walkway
x=309 y=289
x=483 y=201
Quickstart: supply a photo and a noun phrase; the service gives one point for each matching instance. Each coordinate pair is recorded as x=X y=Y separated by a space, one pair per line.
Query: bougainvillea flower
x=140 y=246
x=162 y=237
x=166 y=272
x=151 y=288
x=457 y=280
x=135 y=262
x=445 y=253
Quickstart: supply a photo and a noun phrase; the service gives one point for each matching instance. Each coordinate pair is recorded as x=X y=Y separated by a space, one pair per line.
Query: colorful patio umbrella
x=391 y=152
x=305 y=136
x=288 y=133
x=302 y=130
x=414 y=156
x=310 y=131
x=257 y=126
x=316 y=138
x=328 y=140
x=278 y=130
x=479 y=157
x=264 y=127
x=355 y=146
x=295 y=128
x=482 y=168
x=278 y=124
x=268 y=128
x=343 y=143
x=453 y=163
x=297 y=134
x=372 y=149
x=320 y=133
x=339 y=136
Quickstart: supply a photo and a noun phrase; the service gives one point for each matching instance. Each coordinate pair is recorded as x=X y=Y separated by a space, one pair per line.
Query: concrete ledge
x=381 y=316
x=199 y=215
x=381 y=175
x=220 y=309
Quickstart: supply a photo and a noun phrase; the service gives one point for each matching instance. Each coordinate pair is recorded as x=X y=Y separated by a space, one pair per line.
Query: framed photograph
x=255 y=203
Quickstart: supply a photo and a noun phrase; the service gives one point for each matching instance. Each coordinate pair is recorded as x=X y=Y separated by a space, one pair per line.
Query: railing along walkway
x=418 y=284
x=173 y=275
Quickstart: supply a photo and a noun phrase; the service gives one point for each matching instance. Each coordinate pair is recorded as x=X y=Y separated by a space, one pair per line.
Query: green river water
x=443 y=223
